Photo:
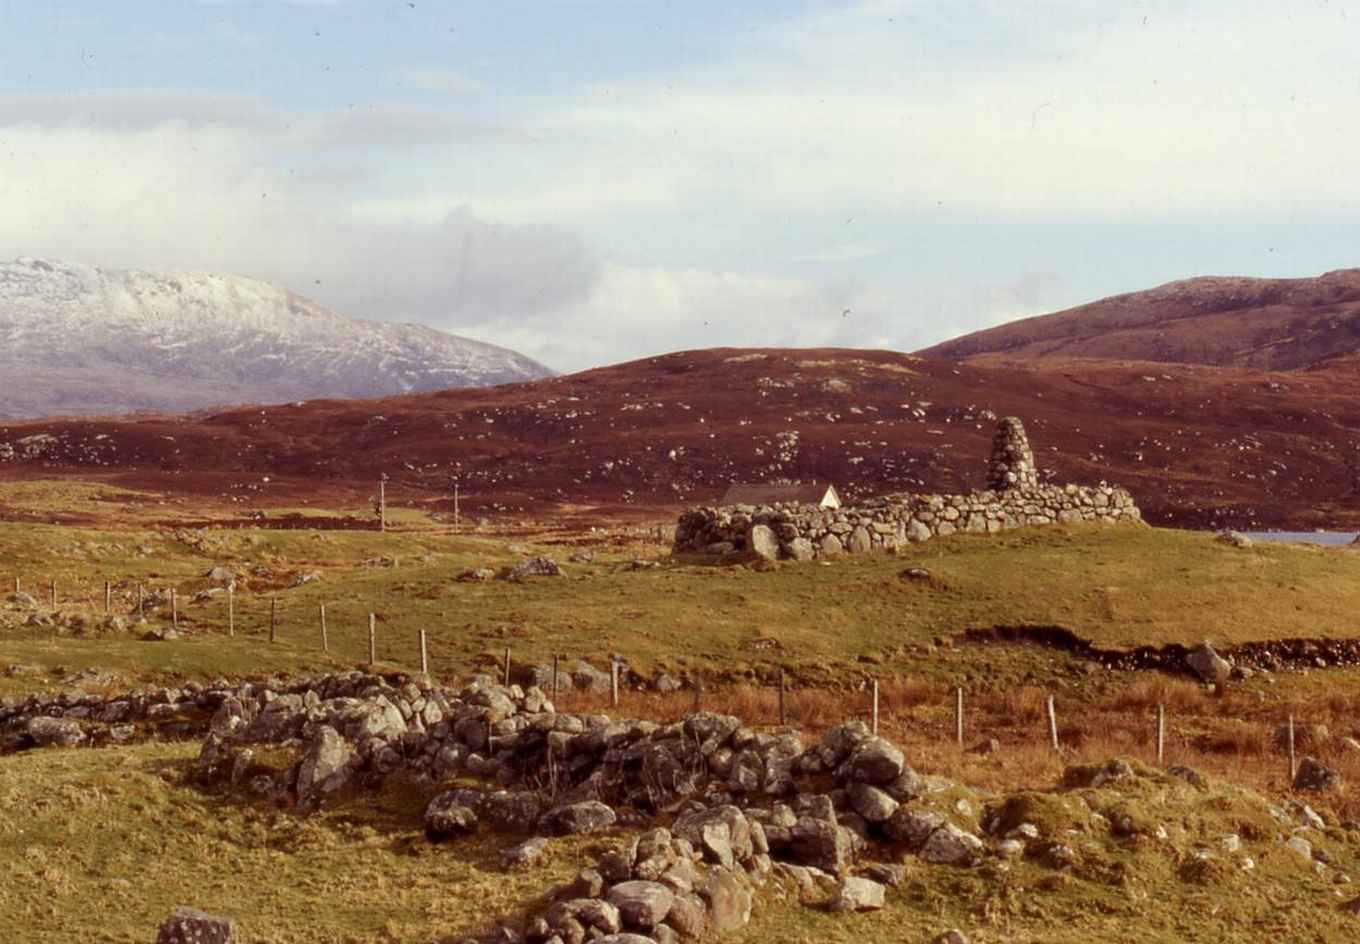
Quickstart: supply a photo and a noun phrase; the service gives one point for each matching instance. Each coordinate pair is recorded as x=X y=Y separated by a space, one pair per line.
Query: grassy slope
x=1121 y=585
x=103 y=844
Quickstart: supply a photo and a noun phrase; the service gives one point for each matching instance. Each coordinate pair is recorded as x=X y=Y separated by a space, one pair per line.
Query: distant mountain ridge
x=80 y=339
x=1268 y=324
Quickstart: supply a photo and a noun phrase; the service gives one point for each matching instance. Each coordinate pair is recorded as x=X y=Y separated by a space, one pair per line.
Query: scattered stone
x=525 y=853
x=1315 y=776
x=326 y=766
x=477 y=575
x=1208 y=664
x=876 y=761
x=950 y=845
x=191 y=926
x=54 y=732
x=642 y=905
x=858 y=894
x=1234 y=538
x=952 y=936
x=763 y=543
x=532 y=567
x=586 y=817
x=446 y=817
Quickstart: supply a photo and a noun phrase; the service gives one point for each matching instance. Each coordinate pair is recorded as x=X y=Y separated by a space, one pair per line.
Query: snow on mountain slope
x=78 y=339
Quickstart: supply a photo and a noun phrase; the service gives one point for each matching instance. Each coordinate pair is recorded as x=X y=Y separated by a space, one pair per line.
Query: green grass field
x=1117 y=586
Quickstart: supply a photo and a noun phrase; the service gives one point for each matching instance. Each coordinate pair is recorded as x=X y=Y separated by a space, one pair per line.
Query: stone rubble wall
x=805 y=532
x=1014 y=499
x=742 y=808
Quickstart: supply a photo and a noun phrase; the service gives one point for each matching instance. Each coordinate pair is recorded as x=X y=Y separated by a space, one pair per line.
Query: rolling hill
x=1269 y=324
x=1196 y=445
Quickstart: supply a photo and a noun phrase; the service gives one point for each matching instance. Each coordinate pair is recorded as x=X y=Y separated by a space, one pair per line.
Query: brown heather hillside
x=1196 y=445
x=1270 y=324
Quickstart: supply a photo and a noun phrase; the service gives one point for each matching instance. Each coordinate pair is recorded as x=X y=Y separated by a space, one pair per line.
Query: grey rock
x=1208 y=664
x=729 y=900
x=858 y=894
x=950 y=845
x=191 y=926
x=642 y=905
x=870 y=802
x=54 y=732
x=586 y=817
x=524 y=854
x=875 y=761
x=327 y=765
x=762 y=542
x=446 y=817
x=1315 y=776
x=688 y=916
x=913 y=827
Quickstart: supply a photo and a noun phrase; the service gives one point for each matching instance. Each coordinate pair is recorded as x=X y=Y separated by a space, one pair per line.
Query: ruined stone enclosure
x=1014 y=498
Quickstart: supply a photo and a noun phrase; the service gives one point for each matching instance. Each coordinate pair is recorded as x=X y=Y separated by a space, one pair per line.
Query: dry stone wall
x=1014 y=499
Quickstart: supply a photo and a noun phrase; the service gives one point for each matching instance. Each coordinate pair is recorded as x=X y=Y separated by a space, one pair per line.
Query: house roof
x=811 y=494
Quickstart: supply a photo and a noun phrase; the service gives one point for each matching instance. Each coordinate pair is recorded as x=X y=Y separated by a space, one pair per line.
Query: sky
x=593 y=181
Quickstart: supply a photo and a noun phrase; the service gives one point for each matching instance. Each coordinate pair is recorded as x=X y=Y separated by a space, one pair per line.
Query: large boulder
x=763 y=542
x=327 y=765
x=532 y=567
x=642 y=905
x=950 y=845
x=822 y=844
x=588 y=816
x=1207 y=664
x=448 y=816
x=54 y=732
x=858 y=894
x=875 y=761
x=729 y=900
x=1316 y=776
x=191 y=926
x=722 y=834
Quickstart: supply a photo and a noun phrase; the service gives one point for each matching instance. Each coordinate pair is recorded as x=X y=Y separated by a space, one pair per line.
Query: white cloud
x=711 y=205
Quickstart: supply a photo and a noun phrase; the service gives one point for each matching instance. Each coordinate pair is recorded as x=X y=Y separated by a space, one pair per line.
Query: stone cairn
x=1014 y=499
x=1012 y=464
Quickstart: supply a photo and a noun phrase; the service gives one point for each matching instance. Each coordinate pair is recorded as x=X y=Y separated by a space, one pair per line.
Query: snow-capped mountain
x=79 y=339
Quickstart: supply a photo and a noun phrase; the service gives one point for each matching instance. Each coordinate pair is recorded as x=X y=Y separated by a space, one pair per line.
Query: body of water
x=1329 y=538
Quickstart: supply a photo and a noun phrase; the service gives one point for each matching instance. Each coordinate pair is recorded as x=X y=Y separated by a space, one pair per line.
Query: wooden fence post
x=108 y=598
x=141 y=601
x=382 y=505
x=231 y=608
x=52 y=588
x=614 y=682
x=783 y=715
x=424 y=655
x=174 y=608
x=16 y=586
x=1293 y=758
x=698 y=695
x=554 y=681
x=958 y=716
x=372 y=639
x=873 y=726
x=507 y=666
x=1053 y=724
x=273 y=618
x=325 y=640
x=1161 y=735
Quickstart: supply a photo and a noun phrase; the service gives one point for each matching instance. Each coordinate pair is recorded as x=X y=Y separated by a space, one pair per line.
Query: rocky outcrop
x=1014 y=499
